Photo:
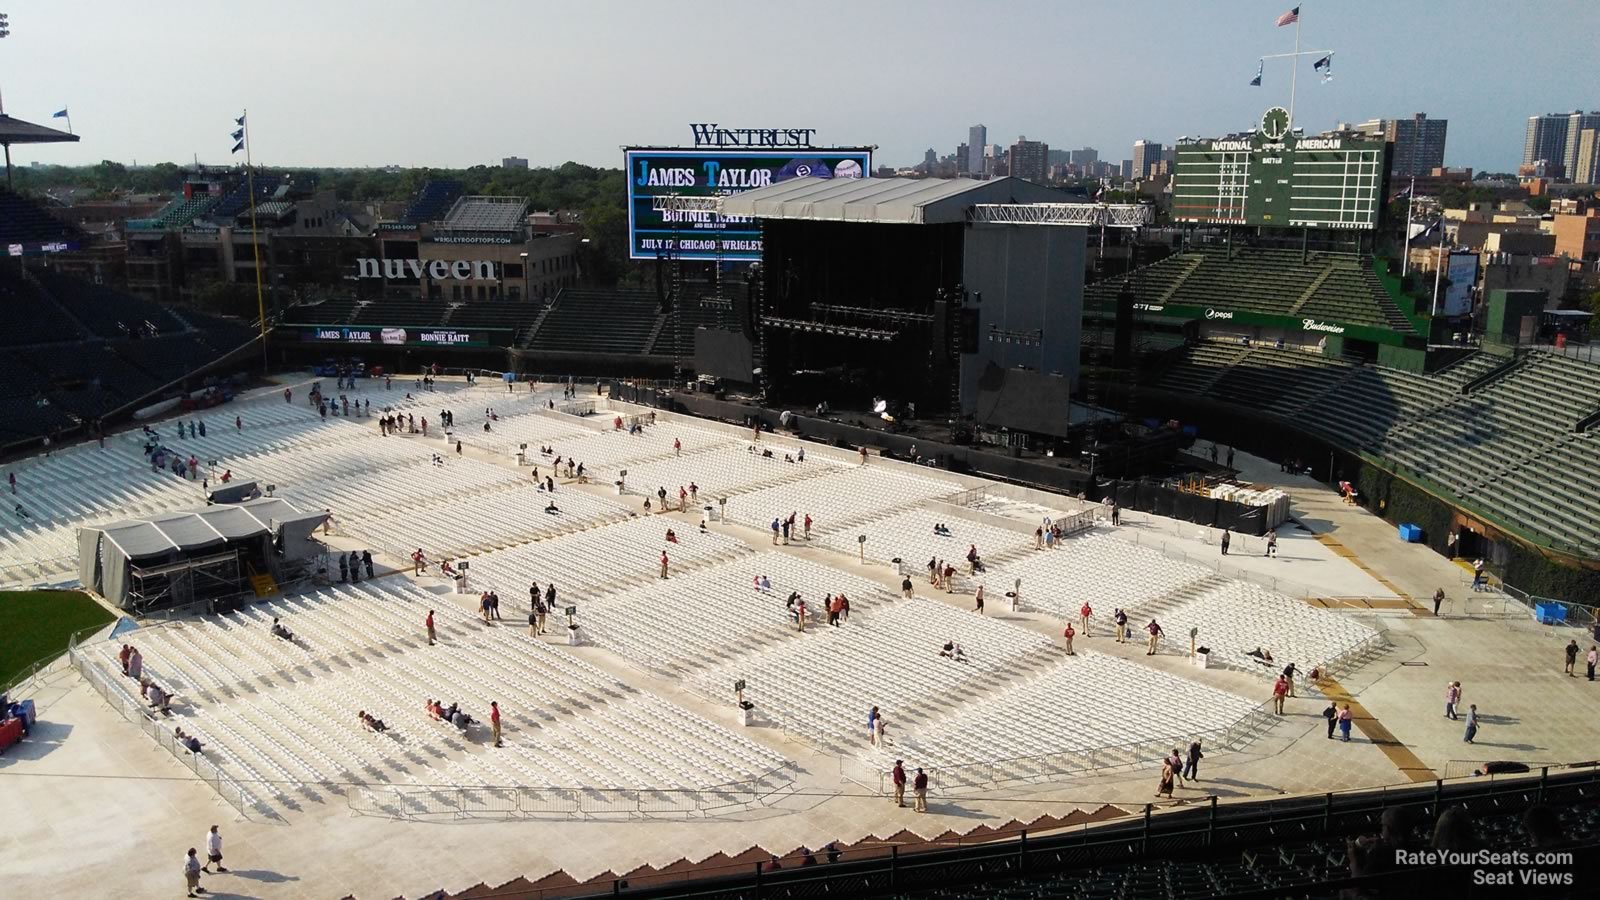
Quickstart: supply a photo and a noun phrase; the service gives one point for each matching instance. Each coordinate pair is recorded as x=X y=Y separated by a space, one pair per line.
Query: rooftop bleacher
x=477 y=213
x=432 y=201
x=183 y=210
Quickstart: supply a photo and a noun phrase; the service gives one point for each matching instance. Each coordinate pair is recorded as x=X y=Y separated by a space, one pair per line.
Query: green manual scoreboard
x=1276 y=178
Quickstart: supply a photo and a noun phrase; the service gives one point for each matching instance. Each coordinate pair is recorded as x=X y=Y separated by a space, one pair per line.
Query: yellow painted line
x=1341 y=550
x=1409 y=764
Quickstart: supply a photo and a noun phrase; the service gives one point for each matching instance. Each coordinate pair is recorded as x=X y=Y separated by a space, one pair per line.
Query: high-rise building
x=1587 y=168
x=930 y=161
x=963 y=160
x=1546 y=138
x=1127 y=169
x=1145 y=156
x=513 y=162
x=1418 y=142
x=977 y=140
x=1576 y=123
x=1029 y=159
x=1085 y=157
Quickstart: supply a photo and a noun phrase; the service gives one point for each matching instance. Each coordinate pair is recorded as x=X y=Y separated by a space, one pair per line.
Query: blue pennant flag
x=239 y=121
x=237 y=147
x=60 y=115
x=1260 y=66
x=239 y=135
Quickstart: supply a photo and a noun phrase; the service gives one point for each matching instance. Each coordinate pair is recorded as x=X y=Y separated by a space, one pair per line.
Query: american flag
x=1289 y=18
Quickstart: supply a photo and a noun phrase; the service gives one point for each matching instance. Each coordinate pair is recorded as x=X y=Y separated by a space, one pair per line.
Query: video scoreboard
x=1274 y=177
x=653 y=173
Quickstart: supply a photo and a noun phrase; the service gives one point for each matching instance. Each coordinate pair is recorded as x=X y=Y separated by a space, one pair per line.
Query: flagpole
x=1438 y=268
x=1405 y=254
x=255 y=240
x=1294 y=72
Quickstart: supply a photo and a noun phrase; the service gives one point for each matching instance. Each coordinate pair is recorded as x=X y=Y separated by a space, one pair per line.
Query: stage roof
x=16 y=131
x=903 y=201
x=209 y=527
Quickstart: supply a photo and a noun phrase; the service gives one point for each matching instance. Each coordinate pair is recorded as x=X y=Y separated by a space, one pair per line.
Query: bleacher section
x=486 y=214
x=182 y=211
x=331 y=311
x=409 y=312
x=1339 y=287
x=598 y=321
x=22 y=221
x=237 y=199
x=108 y=313
x=432 y=202
x=690 y=314
x=1507 y=447
x=31 y=316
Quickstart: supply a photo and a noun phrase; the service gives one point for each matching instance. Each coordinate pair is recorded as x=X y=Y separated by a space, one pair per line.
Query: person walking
x=1227 y=538
x=213 y=851
x=366 y=562
x=191 y=873
x=1191 y=768
x=1176 y=759
x=1084 y=612
x=419 y=562
x=919 y=788
x=1155 y=636
x=1452 y=696
x=1477 y=575
x=1572 y=657
x=429 y=623
x=906 y=588
x=978 y=600
x=1332 y=715
x=1591 y=659
x=1067 y=635
x=872 y=726
x=1344 y=723
x=897 y=775
x=1167 y=777
x=1472 y=723
x=1272 y=544
x=1438 y=600
x=1280 y=690
x=494 y=721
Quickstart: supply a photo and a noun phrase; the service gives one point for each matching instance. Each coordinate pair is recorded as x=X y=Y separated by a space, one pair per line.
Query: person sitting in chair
x=952 y=650
x=672 y=536
x=371 y=723
x=188 y=741
x=278 y=631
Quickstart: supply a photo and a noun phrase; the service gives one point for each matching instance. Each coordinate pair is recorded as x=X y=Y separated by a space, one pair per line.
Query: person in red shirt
x=663 y=564
x=1084 y=612
x=419 y=562
x=494 y=721
x=430 y=628
x=898 y=776
x=677 y=447
x=835 y=608
x=919 y=789
x=808 y=526
x=1280 y=689
x=1068 y=633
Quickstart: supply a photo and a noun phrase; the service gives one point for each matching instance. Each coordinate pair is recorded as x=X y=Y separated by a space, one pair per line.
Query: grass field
x=36 y=624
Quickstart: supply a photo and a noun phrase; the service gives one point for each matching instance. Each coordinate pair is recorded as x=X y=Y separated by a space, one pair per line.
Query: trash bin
x=1550 y=613
x=1411 y=534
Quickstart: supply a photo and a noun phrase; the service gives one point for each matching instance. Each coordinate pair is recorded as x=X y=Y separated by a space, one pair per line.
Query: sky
x=464 y=82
